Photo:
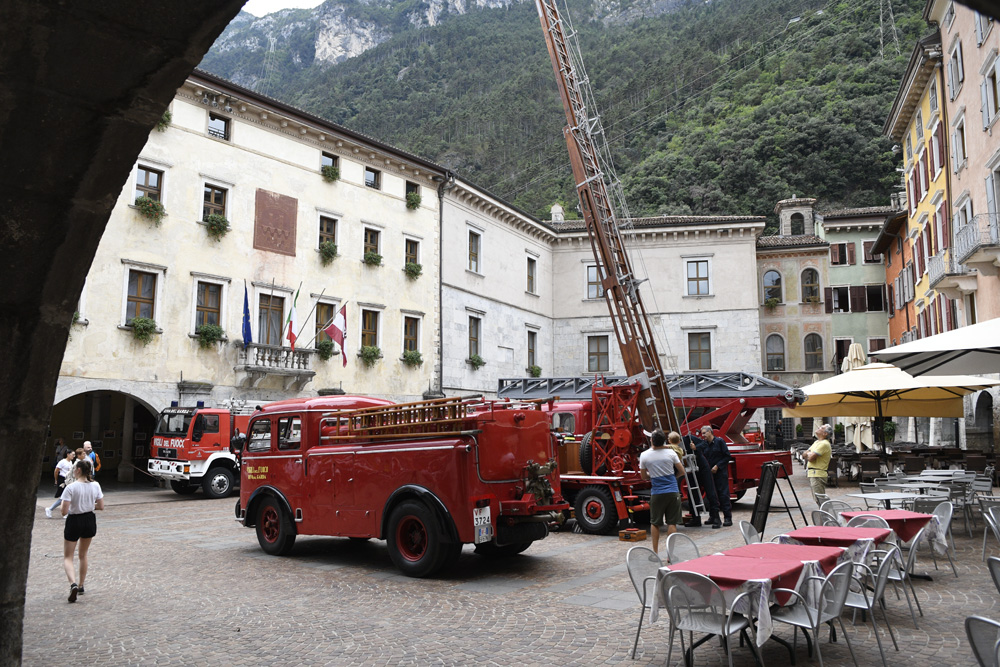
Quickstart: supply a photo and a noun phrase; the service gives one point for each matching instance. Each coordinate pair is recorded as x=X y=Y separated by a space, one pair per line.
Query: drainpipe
x=434 y=389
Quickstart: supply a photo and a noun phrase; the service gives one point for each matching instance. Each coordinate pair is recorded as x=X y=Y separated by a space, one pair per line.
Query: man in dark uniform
x=717 y=455
x=706 y=483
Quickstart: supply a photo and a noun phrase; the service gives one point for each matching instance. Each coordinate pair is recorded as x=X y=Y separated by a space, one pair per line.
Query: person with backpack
x=92 y=455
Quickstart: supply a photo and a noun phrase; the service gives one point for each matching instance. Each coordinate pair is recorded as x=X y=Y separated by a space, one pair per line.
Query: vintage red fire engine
x=427 y=477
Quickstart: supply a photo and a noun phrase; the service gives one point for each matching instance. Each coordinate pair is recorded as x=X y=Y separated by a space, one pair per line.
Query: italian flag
x=293 y=320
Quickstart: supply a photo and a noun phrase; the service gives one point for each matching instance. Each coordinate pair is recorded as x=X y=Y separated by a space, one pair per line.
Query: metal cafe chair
x=983 y=634
x=680 y=548
x=643 y=564
x=990 y=515
x=750 y=534
x=876 y=583
x=823 y=518
x=902 y=576
x=994 y=564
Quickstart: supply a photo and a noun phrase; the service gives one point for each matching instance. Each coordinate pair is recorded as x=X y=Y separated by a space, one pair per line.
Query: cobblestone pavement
x=175 y=581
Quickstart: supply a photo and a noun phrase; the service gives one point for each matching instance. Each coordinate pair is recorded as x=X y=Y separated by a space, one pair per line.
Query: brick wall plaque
x=274 y=222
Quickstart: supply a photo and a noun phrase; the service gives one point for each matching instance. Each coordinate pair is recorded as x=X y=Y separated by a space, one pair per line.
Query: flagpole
x=322 y=291
x=270 y=306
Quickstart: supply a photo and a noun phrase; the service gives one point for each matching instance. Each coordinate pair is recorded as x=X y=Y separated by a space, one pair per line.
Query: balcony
x=950 y=278
x=977 y=244
x=258 y=362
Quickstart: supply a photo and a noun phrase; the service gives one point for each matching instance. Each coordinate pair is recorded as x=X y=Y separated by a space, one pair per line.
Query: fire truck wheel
x=595 y=511
x=491 y=550
x=274 y=529
x=217 y=483
x=184 y=488
x=414 y=539
x=587 y=456
x=739 y=495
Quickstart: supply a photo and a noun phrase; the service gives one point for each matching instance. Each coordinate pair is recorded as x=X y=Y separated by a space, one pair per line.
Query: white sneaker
x=48 y=512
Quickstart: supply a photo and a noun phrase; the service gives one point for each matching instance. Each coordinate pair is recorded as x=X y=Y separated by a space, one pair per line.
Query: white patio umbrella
x=862 y=426
x=974 y=349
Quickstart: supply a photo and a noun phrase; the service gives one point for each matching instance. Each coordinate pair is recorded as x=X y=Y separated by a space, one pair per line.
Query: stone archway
x=979 y=434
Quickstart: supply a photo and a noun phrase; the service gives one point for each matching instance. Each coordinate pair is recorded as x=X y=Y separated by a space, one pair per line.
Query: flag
x=247 y=334
x=337 y=330
x=293 y=320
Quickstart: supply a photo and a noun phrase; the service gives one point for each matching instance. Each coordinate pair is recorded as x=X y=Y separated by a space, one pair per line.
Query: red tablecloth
x=906 y=523
x=837 y=536
x=730 y=572
x=827 y=557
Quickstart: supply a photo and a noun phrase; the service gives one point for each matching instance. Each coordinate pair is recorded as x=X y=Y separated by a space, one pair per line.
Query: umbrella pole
x=881 y=430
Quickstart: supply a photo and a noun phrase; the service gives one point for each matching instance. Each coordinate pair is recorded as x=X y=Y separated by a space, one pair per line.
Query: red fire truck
x=427 y=477
x=190 y=448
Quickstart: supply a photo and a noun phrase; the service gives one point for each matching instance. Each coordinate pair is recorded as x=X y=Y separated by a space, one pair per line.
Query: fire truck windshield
x=173 y=423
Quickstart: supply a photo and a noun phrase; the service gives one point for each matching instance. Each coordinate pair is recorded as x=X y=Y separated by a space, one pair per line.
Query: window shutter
x=939 y=146
x=991 y=197
x=927 y=178
x=859 y=300
x=979 y=29
x=850 y=252
x=951 y=78
x=834 y=253
x=918 y=257
x=985 y=107
x=954 y=160
x=945 y=230
x=828 y=298
x=960 y=70
x=886 y=297
x=931 y=237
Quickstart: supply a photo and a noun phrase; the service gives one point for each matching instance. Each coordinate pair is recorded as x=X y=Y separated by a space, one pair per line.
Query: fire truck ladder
x=596 y=185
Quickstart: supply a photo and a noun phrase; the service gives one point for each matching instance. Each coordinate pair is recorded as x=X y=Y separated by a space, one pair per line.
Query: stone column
x=934 y=431
x=125 y=471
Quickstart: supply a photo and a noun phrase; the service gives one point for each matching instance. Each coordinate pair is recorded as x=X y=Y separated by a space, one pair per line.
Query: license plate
x=482 y=523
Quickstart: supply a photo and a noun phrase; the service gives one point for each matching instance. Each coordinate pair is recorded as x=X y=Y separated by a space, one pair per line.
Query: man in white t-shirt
x=660 y=465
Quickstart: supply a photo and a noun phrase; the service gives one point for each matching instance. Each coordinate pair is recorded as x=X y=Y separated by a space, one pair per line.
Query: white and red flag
x=337 y=331
x=293 y=321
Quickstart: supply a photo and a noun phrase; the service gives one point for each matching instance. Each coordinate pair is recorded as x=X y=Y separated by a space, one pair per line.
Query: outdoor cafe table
x=904 y=523
x=821 y=559
x=857 y=541
x=735 y=575
x=886 y=496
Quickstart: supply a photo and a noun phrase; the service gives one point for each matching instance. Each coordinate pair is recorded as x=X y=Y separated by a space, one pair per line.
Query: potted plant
x=372 y=258
x=209 y=334
x=413 y=270
x=771 y=302
x=812 y=299
x=330 y=173
x=413 y=200
x=143 y=329
x=370 y=354
x=412 y=358
x=535 y=371
x=327 y=252
x=164 y=122
x=889 y=430
x=476 y=362
x=324 y=349
x=150 y=209
x=217 y=225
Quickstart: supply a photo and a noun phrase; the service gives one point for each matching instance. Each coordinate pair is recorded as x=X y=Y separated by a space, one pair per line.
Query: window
x=697 y=278
x=919 y=129
x=949 y=18
x=842 y=347
x=372 y=240
x=373 y=178
x=475 y=325
x=218 y=126
x=875 y=298
x=289 y=433
x=595 y=290
x=959 y=152
x=983 y=25
x=327 y=230
x=869 y=257
x=148 y=183
x=772 y=285
x=532 y=346
x=841 y=299
x=270 y=320
x=909 y=147
x=208 y=306
x=798 y=224
x=775 y=348
x=411 y=252
x=955 y=71
x=260 y=436
x=412 y=189
x=700 y=351
x=369 y=328
x=814 y=352
x=324 y=316
x=876 y=344
x=890 y=300
x=597 y=354
x=328 y=160
x=411 y=334
x=141 y=295
x=842 y=254
x=207 y=423
x=964 y=214
x=215 y=202
x=474 y=250
x=810 y=286
x=531 y=274
x=932 y=95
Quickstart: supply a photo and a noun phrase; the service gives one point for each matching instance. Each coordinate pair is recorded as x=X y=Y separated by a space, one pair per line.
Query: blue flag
x=247 y=334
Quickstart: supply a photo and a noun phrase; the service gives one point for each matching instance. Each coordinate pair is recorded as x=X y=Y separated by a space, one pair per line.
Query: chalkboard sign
x=765 y=489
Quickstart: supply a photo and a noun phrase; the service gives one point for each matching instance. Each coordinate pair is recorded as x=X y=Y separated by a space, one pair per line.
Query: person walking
x=660 y=465
x=62 y=472
x=61 y=449
x=95 y=460
x=79 y=501
x=717 y=455
x=818 y=460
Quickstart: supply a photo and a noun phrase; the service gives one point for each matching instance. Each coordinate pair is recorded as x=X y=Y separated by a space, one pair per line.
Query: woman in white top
x=62 y=472
x=78 y=504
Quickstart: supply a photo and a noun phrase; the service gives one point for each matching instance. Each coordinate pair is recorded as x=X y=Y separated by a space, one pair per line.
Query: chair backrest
x=833 y=592
x=895 y=476
x=983 y=634
x=642 y=562
x=822 y=498
x=680 y=548
x=994 y=564
x=925 y=505
x=911 y=555
x=993 y=512
x=750 y=534
x=823 y=518
x=868 y=487
x=688 y=595
x=890 y=558
x=982 y=485
x=937 y=491
x=944 y=512
x=835 y=507
x=868 y=521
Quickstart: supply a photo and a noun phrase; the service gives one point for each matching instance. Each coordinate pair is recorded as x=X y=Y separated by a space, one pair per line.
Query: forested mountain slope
x=716 y=108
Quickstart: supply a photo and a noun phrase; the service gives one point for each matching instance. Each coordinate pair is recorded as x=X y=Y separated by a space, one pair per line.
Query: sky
x=264 y=7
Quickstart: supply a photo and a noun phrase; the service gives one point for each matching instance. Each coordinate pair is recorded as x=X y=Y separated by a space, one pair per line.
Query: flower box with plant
x=812 y=299
x=535 y=371
x=209 y=334
x=150 y=209
x=413 y=270
x=217 y=225
x=330 y=173
x=327 y=252
x=413 y=200
x=771 y=303
x=324 y=349
x=143 y=329
x=476 y=362
x=370 y=354
x=412 y=358
x=372 y=258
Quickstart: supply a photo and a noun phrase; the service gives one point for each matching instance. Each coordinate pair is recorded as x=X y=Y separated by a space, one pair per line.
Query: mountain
x=720 y=107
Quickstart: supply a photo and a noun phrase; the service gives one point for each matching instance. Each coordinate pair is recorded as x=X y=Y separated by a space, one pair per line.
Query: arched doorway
x=118 y=425
x=979 y=435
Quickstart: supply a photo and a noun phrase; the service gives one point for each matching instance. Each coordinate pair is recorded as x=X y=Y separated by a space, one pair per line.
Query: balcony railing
x=259 y=361
x=979 y=233
x=938 y=267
